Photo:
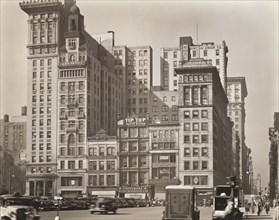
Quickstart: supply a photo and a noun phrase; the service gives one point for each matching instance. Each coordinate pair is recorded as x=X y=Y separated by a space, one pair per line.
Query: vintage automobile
x=17 y=207
x=103 y=206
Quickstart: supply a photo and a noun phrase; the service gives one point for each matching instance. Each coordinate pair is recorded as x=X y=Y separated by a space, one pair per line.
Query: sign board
x=196 y=180
x=133 y=189
x=132 y=121
x=58 y=198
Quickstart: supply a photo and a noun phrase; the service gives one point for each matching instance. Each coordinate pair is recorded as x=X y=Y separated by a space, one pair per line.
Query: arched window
x=71 y=144
x=71 y=140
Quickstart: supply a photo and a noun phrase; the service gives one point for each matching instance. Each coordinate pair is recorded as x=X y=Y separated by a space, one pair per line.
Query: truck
x=180 y=203
x=223 y=193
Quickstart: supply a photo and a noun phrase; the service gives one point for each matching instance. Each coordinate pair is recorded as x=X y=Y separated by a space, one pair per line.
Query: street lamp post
x=10 y=180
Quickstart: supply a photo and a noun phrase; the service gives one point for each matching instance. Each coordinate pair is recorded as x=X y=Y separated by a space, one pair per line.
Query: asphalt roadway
x=146 y=213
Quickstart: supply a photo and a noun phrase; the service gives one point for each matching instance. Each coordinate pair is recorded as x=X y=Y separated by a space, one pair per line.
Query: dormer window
x=72 y=44
x=72 y=58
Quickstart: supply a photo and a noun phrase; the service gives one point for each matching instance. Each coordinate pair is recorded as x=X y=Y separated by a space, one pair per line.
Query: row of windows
x=134 y=101
x=133 y=161
x=196 y=126
x=99 y=180
x=195 y=95
x=42 y=86
x=140 y=72
x=134 y=110
x=72 y=164
x=73 y=58
x=133 y=146
x=174 y=54
x=163 y=146
x=72 y=99
x=42 y=122
x=43 y=38
x=164 y=118
x=41 y=134
x=71 y=124
x=41 y=159
x=72 y=86
x=163 y=134
x=165 y=108
x=42 y=50
x=196 y=152
x=101 y=165
x=196 y=139
x=72 y=73
x=71 y=140
x=42 y=74
x=138 y=81
x=41 y=146
x=196 y=114
x=196 y=165
x=43 y=16
x=41 y=169
x=165 y=99
x=133 y=132
x=140 y=63
x=41 y=110
x=140 y=91
x=70 y=150
x=42 y=98
x=102 y=151
x=196 y=77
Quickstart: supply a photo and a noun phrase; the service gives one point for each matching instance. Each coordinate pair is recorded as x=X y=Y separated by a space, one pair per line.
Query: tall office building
x=173 y=57
x=134 y=65
x=72 y=93
x=236 y=93
x=13 y=152
x=205 y=130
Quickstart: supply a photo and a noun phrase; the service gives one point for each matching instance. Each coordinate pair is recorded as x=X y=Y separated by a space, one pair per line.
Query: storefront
x=136 y=192
x=109 y=192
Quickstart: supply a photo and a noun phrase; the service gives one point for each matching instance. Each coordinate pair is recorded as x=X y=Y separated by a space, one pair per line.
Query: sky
x=249 y=28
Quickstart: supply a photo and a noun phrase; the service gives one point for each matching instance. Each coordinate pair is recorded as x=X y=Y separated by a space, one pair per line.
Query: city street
x=151 y=213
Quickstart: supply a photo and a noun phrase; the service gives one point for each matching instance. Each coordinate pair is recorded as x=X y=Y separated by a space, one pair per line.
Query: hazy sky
x=249 y=28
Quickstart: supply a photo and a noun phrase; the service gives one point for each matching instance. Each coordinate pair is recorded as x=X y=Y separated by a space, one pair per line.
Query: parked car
x=17 y=207
x=103 y=206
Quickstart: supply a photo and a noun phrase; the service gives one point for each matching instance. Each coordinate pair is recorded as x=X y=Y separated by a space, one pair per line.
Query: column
x=44 y=188
x=35 y=188
x=190 y=95
x=199 y=95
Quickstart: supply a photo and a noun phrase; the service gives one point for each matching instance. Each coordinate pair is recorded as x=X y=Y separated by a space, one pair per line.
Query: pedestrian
x=230 y=212
x=267 y=206
x=276 y=211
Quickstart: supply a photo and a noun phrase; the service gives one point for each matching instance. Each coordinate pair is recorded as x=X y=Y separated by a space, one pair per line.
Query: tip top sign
x=133 y=121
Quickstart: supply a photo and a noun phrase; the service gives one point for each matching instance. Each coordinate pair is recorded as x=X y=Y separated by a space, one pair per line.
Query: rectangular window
x=204 y=126
x=195 y=165
x=196 y=114
x=186 y=139
x=186 y=114
x=195 y=126
x=186 y=165
x=204 y=138
x=187 y=127
x=204 y=165
x=195 y=138
x=195 y=152
x=187 y=152
x=204 y=113
x=204 y=152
